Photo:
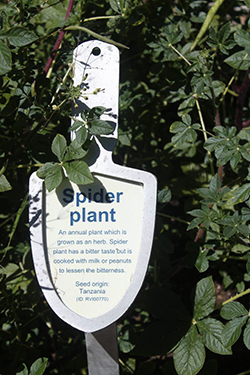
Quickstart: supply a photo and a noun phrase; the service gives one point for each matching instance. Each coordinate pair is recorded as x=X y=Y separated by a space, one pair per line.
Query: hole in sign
x=96 y=51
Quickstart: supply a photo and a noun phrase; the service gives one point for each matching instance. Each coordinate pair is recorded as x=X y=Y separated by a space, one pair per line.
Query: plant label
x=91 y=243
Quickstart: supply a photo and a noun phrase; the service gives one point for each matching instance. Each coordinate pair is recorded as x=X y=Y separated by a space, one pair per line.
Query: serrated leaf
x=5 y=59
x=4 y=184
x=58 y=147
x=78 y=172
x=246 y=335
x=39 y=366
x=211 y=331
x=19 y=36
x=54 y=178
x=233 y=310
x=232 y=330
x=164 y=196
x=204 y=301
x=100 y=127
x=189 y=356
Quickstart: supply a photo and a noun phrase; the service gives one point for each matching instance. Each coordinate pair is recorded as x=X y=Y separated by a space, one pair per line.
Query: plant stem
x=173 y=218
x=58 y=42
x=98 y=18
x=95 y=35
x=247 y=291
x=180 y=54
x=64 y=79
x=126 y=366
x=204 y=133
x=231 y=81
x=210 y=15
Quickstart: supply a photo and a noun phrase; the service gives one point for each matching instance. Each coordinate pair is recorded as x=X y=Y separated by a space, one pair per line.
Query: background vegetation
x=184 y=116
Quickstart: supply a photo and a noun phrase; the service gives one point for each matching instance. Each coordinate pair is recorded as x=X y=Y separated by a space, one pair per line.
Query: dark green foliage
x=184 y=116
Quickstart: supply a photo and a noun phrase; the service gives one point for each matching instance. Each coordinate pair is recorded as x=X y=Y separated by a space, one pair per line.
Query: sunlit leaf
x=211 y=331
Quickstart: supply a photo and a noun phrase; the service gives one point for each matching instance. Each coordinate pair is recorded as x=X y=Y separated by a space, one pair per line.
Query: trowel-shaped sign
x=91 y=243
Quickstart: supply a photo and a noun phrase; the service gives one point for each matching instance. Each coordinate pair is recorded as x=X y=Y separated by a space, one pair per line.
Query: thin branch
x=59 y=41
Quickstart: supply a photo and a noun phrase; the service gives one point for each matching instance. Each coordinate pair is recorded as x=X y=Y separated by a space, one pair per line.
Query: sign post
x=91 y=243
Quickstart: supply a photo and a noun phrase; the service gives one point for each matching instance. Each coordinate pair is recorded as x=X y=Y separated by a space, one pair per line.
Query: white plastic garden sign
x=91 y=243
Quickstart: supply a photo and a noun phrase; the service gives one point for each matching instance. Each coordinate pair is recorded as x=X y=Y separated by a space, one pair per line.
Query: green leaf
x=100 y=127
x=247 y=2
x=54 y=178
x=9 y=269
x=124 y=340
x=189 y=356
x=73 y=153
x=204 y=301
x=242 y=37
x=77 y=124
x=246 y=335
x=116 y=5
x=241 y=194
x=24 y=371
x=232 y=330
x=58 y=147
x=211 y=331
x=239 y=248
x=233 y=310
x=172 y=33
x=164 y=196
x=39 y=366
x=229 y=231
x=19 y=36
x=96 y=112
x=215 y=183
x=5 y=59
x=78 y=172
x=202 y=262
x=4 y=184
x=160 y=337
x=46 y=169
x=239 y=60
x=81 y=136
